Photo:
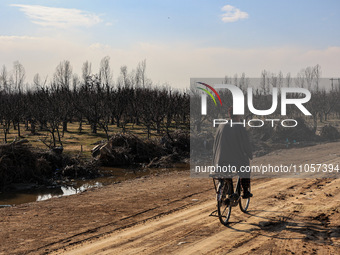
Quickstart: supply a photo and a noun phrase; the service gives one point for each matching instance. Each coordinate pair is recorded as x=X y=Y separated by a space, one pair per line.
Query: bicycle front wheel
x=244 y=203
x=223 y=204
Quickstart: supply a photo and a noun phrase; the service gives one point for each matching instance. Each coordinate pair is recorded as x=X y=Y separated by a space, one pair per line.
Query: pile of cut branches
x=21 y=163
x=129 y=149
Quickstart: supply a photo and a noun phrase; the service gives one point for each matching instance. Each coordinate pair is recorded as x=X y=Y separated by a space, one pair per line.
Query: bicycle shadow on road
x=307 y=228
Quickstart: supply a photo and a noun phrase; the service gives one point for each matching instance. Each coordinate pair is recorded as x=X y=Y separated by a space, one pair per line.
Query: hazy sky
x=178 y=38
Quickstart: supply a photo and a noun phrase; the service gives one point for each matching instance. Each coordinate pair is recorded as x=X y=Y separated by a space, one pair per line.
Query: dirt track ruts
x=281 y=224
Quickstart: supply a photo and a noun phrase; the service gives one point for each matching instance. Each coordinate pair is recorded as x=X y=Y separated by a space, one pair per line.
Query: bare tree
x=6 y=114
x=86 y=71
x=4 y=79
x=140 y=74
x=288 y=80
x=19 y=75
x=264 y=75
x=63 y=74
x=37 y=80
x=75 y=81
x=317 y=75
x=243 y=82
x=273 y=80
x=309 y=76
x=123 y=79
x=105 y=74
x=300 y=79
x=280 y=79
x=62 y=81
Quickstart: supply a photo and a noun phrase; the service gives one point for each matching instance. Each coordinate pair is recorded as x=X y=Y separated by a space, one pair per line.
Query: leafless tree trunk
x=105 y=74
x=19 y=76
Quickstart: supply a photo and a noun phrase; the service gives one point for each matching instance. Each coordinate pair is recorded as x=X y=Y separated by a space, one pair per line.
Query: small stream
x=112 y=175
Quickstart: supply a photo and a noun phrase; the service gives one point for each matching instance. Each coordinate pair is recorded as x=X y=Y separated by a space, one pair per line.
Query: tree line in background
x=97 y=100
x=94 y=99
x=324 y=101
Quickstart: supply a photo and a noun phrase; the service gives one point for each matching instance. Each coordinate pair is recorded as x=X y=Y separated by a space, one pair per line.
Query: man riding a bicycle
x=232 y=148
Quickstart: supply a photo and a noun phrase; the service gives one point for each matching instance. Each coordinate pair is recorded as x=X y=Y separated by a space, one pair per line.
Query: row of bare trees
x=93 y=99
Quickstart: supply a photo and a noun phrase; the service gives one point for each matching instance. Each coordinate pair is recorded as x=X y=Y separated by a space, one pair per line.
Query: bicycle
x=227 y=198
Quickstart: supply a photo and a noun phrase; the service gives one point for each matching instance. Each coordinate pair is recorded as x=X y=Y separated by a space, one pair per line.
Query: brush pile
x=302 y=132
x=329 y=132
x=126 y=149
x=129 y=149
x=20 y=163
x=279 y=134
x=178 y=141
x=202 y=142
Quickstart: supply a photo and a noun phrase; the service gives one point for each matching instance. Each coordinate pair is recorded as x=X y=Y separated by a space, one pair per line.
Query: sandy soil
x=169 y=213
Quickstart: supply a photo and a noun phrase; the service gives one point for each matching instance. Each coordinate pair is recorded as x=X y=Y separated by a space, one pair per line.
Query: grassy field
x=73 y=141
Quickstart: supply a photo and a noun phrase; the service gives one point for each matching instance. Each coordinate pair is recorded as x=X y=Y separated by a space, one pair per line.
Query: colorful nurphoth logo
x=212 y=89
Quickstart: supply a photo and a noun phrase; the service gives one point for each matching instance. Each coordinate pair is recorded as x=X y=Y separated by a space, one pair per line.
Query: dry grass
x=73 y=141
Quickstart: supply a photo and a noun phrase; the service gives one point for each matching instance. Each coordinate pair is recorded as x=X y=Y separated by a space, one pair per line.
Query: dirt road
x=170 y=214
x=285 y=223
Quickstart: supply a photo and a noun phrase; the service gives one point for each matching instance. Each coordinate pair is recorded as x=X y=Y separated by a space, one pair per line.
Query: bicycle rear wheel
x=244 y=203
x=223 y=204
